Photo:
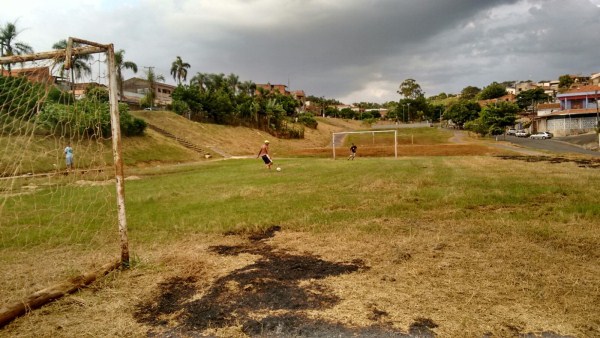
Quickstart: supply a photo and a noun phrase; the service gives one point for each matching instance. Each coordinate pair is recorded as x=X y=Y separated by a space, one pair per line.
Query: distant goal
x=369 y=143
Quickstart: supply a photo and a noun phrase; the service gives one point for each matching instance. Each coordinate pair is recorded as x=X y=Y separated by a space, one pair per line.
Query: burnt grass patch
x=277 y=281
x=583 y=163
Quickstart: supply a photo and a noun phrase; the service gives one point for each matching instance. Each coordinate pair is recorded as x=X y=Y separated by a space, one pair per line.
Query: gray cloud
x=353 y=50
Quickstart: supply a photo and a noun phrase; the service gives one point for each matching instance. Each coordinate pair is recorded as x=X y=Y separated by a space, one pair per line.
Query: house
x=578 y=112
x=35 y=74
x=300 y=96
x=135 y=89
x=506 y=98
x=280 y=88
x=595 y=79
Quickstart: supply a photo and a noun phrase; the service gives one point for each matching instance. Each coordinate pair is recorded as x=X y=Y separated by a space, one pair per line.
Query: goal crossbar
x=333 y=144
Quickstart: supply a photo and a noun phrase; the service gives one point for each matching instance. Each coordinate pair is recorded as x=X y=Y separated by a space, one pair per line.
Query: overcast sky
x=350 y=50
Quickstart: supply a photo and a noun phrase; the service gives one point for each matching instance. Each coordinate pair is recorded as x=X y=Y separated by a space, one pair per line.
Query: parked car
x=511 y=132
x=541 y=136
x=522 y=133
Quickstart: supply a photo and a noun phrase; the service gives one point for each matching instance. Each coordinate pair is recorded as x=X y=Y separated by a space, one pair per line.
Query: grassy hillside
x=242 y=141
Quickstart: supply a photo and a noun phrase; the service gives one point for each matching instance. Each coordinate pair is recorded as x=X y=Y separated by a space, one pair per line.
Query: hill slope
x=224 y=140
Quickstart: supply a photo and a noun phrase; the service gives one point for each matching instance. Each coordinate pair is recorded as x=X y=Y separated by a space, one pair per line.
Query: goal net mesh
x=55 y=222
x=381 y=143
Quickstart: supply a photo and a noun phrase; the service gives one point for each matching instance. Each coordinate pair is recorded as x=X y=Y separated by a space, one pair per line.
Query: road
x=553 y=145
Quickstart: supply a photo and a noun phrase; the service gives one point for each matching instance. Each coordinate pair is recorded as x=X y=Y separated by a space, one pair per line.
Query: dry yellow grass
x=481 y=276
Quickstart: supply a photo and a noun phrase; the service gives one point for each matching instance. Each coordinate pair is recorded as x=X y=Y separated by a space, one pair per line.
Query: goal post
x=60 y=159
x=339 y=138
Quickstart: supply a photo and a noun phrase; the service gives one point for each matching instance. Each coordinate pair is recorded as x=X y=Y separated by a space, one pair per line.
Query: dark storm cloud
x=352 y=50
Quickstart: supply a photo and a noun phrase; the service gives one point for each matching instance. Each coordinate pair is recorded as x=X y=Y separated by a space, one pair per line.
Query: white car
x=541 y=136
x=522 y=133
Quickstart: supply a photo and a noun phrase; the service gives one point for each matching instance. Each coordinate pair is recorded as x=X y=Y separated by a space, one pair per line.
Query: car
x=541 y=136
x=511 y=132
x=522 y=133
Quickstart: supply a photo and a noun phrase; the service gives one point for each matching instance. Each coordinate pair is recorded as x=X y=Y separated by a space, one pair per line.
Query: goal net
x=58 y=215
x=368 y=143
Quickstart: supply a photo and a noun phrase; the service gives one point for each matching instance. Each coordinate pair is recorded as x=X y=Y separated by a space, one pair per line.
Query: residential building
x=36 y=74
x=506 y=98
x=135 y=89
x=578 y=112
x=280 y=88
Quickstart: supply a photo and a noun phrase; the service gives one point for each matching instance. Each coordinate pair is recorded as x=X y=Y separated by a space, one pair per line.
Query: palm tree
x=179 y=69
x=152 y=78
x=233 y=81
x=120 y=64
x=8 y=45
x=247 y=87
x=79 y=66
x=200 y=80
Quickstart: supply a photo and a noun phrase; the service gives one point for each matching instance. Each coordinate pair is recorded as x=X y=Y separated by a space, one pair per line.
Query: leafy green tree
x=8 y=45
x=531 y=97
x=469 y=93
x=565 y=82
x=79 y=65
x=410 y=89
x=97 y=93
x=494 y=119
x=179 y=70
x=461 y=112
x=493 y=91
x=122 y=64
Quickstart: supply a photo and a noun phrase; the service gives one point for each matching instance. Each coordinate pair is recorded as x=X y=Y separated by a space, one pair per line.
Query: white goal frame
x=367 y=132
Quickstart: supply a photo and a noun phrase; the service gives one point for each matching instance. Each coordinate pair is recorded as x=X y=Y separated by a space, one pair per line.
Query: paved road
x=552 y=145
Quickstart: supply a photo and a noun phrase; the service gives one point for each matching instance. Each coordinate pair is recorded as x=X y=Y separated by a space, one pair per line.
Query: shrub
x=308 y=120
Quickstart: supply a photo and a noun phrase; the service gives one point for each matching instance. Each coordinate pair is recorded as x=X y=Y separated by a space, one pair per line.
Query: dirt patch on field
x=583 y=163
x=271 y=297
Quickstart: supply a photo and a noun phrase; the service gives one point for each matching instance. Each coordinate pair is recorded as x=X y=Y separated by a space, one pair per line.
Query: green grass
x=319 y=195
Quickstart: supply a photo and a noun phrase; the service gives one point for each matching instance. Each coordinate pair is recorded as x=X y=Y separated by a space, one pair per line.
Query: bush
x=309 y=121
x=87 y=119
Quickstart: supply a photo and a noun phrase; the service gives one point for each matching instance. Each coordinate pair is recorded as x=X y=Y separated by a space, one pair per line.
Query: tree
x=410 y=89
x=531 y=98
x=120 y=64
x=247 y=87
x=493 y=91
x=494 y=119
x=152 y=79
x=469 y=93
x=233 y=81
x=179 y=69
x=79 y=66
x=199 y=80
x=461 y=112
x=565 y=82
x=8 y=45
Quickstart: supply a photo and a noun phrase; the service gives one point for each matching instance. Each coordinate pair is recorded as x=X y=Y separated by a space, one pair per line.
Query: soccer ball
x=278 y=169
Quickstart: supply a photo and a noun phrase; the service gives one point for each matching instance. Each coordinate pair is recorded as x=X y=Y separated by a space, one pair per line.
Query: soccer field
x=456 y=246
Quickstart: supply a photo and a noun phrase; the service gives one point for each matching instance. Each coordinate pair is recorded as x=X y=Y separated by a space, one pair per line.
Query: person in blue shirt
x=69 y=157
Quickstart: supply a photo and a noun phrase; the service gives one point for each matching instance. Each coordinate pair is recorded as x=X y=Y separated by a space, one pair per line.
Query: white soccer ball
x=278 y=169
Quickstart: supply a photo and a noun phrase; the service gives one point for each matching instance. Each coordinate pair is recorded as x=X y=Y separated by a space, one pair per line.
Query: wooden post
x=118 y=159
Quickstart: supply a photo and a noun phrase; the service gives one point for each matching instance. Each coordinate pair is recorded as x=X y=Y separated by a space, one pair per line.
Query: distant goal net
x=372 y=143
